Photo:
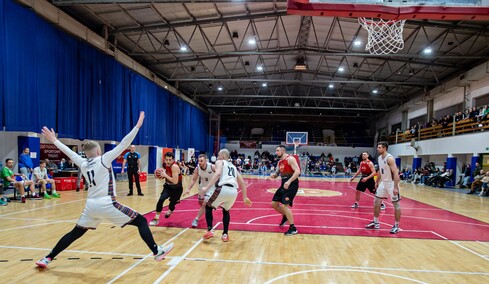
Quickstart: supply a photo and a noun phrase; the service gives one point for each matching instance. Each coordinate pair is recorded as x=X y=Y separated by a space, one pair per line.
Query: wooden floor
x=114 y=255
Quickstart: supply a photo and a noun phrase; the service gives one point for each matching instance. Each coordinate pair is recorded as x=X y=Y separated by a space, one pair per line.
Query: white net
x=384 y=36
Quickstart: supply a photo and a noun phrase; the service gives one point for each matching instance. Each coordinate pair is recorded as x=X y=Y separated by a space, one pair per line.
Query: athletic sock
x=396 y=224
x=376 y=219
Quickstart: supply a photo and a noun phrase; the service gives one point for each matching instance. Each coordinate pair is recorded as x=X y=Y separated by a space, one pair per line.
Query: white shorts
x=224 y=197
x=208 y=193
x=386 y=189
x=104 y=208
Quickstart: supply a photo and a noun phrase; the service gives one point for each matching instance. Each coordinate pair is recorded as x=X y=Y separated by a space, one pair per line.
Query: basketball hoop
x=384 y=36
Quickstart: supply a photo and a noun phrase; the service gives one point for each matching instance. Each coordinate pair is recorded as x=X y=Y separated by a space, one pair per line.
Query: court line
x=337 y=266
x=330 y=227
x=48 y=206
x=141 y=260
x=463 y=247
x=347 y=270
x=181 y=258
x=35 y=225
x=483 y=243
x=76 y=251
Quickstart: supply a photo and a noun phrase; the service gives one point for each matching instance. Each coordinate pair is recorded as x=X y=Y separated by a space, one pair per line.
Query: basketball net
x=384 y=36
x=297 y=143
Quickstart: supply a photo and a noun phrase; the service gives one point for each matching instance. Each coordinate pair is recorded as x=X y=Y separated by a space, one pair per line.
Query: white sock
x=376 y=219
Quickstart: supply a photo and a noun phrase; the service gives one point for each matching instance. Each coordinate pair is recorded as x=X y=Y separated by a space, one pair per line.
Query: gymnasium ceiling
x=220 y=68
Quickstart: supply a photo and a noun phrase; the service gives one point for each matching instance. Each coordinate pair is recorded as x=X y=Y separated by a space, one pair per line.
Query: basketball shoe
x=43 y=263
x=163 y=251
x=373 y=225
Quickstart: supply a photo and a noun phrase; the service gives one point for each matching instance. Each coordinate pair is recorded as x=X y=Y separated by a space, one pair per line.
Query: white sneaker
x=195 y=223
x=382 y=206
x=395 y=229
x=355 y=205
x=43 y=263
x=154 y=222
x=163 y=251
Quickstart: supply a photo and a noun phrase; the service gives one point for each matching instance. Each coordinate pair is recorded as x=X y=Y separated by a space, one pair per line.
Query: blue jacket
x=25 y=161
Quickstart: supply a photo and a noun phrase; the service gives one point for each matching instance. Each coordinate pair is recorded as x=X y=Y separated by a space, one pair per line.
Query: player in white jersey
x=387 y=184
x=225 y=193
x=203 y=173
x=101 y=202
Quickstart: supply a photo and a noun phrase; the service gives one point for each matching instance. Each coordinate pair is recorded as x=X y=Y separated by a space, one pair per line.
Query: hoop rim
x=380 y=22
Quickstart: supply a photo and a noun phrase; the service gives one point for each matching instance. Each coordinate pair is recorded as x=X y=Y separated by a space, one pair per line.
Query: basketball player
x=203 y=173
x=172 y=189
x=226 y=178
x=289 y=170
x=387 y=184
x=101 y=201
x=367 y=181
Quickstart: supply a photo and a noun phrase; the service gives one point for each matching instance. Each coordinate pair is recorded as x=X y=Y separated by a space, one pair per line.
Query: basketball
x=159 y=173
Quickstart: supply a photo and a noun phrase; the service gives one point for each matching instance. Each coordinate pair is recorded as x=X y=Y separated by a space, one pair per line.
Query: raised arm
x=50 y=135
x=126 y=141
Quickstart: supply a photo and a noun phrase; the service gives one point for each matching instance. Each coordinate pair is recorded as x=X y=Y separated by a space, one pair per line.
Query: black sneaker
x=77 y=189
x=129 y=194
x=395 y=229
x=292 y=231
x=382 y=206
x=373 y=225
x=284 y=220
x=140 y=194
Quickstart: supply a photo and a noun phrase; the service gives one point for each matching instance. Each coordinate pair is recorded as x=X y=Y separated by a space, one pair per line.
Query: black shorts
x=286 y=196
x=174 y=192
x=370 y=184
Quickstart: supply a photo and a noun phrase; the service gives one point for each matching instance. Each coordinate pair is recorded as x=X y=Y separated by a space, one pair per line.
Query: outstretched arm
x=126 y=141
x=50 y=135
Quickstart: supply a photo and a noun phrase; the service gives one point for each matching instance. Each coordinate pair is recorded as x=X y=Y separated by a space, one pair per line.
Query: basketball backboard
x=298 y=137
x=393 y=9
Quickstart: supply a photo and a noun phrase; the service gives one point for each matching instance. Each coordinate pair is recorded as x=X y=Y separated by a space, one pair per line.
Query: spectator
x=63 y=165
x=477 y=169
x=467 y=175
x=25 y=163
x=446 y=177
x=8 y=177
x=485 y=181
x=477 y=183
x=41 y=178
x=50 y=166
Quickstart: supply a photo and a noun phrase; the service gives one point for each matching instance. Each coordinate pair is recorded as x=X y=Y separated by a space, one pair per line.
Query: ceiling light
x=252 y=41
x=428 y=50
x=341 y=69
x=297 y=104
x=375 y=91
x=264 y=84
x=357 y=42
x=183 y=48
x=259 y=68
x=219 y=88
x=235 y=35
x=300 y=64
x=331 y=85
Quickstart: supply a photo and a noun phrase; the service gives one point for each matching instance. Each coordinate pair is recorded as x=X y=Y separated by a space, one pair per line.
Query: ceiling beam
x=152 y=27
x=299 y=81
x=293 y=107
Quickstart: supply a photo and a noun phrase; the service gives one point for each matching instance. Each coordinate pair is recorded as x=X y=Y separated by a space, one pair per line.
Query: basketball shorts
x=208 y=194
x=286 y=196
x=223 y=196
x=369 y=184
x=105 y=208
x=386 y=189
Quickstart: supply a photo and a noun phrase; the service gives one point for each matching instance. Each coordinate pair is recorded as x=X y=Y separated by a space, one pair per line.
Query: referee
x=133 y=160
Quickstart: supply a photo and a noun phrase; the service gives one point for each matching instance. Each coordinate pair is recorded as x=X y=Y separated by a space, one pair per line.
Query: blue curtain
x=50 y=78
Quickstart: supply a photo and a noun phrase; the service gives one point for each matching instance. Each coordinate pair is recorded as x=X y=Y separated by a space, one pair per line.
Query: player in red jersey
x=172 y=189
x=289 y=170
x=367 y=181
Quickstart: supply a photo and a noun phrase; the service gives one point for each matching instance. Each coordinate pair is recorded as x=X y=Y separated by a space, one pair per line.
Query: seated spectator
x=477 y=183
x=41 y=178
x=484 y=187
x=63 y=165
x=445 y=177
x=466 y=179
x=50 y=166
x=8 y=177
